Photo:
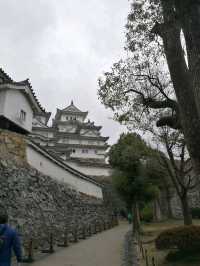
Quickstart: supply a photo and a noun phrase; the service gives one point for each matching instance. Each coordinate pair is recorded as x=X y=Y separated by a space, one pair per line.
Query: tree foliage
x=128 y=157
x=159 y=80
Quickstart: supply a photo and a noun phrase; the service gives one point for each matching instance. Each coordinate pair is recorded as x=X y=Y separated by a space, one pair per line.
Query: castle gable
x=89 y=133
x=37 y=123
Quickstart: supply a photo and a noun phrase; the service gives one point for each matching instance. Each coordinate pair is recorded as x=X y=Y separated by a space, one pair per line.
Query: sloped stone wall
x=38 y=205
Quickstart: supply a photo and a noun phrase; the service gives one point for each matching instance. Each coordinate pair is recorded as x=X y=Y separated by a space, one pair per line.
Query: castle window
x=84 y=151
x=22 y=115
x=73 y=151
x=66 y=117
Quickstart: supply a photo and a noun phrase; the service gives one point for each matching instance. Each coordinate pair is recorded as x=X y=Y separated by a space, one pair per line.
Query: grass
x=150 y=232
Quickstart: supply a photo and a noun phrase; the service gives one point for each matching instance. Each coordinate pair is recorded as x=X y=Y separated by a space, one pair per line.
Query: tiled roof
x=72 y=109
x=5 y=76
x=64 y=146
x=8 y=80
x=26 y=82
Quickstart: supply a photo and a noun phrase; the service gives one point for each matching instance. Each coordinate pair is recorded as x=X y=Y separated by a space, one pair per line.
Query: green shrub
x=182 y=238
x=183 y=256
x=147 y=214
x=195 y=213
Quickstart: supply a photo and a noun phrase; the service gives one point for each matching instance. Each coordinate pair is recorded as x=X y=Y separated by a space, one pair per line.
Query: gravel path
x=103 y=249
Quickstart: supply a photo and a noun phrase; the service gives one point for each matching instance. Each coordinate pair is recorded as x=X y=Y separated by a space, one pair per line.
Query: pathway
x=103 y=249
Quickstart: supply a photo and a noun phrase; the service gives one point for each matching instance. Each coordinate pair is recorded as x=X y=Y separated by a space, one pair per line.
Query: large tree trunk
x=182 y=77
x=188 y=13
x=187 y=217
x=157 y=213
x=136 y=218
x=169 y=206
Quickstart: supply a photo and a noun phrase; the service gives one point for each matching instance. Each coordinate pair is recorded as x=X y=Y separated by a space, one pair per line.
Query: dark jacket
x=11 y=242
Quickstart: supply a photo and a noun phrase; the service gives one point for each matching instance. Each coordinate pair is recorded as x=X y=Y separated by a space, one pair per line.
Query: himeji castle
x=48 y=149
x=74 y=139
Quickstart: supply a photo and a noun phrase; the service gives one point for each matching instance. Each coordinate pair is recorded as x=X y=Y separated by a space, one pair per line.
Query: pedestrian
x=129 y=218
x=9 y=240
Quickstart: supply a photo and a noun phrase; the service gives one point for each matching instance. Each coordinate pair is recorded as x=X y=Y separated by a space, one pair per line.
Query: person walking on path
x=130 y=218
x=9 y=240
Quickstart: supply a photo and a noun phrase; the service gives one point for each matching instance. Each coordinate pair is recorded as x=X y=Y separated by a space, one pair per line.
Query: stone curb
x=130 y=255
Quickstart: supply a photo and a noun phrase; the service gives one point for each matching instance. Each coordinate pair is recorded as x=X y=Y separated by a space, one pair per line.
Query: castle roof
x=4 y=76
x=70 y=110
x=78 y=136
x=24 y=86
x=79 y=124
x=63 y=146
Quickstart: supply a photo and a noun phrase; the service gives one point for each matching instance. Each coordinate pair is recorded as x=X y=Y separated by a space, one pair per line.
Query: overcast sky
x=63 y=46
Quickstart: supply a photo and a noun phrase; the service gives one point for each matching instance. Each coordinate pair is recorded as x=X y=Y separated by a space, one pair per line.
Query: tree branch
x=155 y=104
x=171 y=121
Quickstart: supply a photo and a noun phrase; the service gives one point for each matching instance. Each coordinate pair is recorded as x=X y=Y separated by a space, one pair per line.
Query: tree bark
x=188 y=13
x=136 y=218
x=169 y=206
x=187 y=217
x=157 y=215
x=182 y=78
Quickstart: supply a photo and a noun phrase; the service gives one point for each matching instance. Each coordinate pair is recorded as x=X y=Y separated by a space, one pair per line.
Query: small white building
x=18 y=105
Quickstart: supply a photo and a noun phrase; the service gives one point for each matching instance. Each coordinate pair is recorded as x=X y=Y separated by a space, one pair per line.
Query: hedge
x=181 y=238
x=195 y=213
x=147 y=214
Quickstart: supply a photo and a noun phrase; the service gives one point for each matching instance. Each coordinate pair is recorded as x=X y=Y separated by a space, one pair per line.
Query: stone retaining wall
x=40 y=207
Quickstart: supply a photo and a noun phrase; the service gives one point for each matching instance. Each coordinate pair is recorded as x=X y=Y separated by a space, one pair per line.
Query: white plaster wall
x=2 y=101
x=15 y=101
x=71 y=141
x=51 y=144
x=68 y=117
x=81 y=141
x=67 y=128
x=48 y=167
x=91 y=170
x=63 y=118
x=50 y=135
x=80 y=118
x=91 y=154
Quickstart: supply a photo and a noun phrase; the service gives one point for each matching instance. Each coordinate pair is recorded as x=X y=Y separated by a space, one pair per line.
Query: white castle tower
x=74 y=139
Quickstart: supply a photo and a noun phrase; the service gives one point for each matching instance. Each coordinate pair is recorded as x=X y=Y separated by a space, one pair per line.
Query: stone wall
x=162 y=206
x=194 y=202
x=38 y=205
x=12 y=148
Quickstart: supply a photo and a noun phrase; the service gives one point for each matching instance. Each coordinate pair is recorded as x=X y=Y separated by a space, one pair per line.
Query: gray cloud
x=63 y=47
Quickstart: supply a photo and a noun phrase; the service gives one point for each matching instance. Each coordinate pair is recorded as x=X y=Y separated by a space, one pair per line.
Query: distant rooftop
x=72 y=109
